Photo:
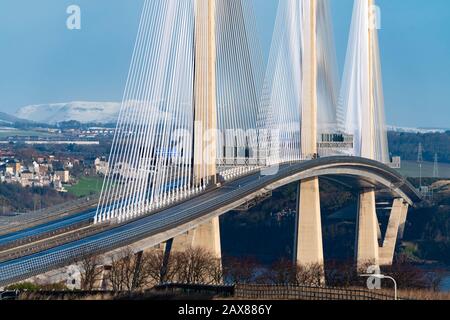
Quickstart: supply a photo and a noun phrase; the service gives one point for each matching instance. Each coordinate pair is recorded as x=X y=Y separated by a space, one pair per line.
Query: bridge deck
x=192 y=210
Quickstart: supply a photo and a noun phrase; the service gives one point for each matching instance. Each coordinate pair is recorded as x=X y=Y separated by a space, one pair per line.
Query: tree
x=240 y=270
x=310 y=275
x=434 y=279
x=215 y=271
x=140 y=276
x=134 y=271
x=406 y=275
x=162 y=269
x=282 y=272
x=91 y=272
x=342 y=274
x=194 y=266
x=127 y=272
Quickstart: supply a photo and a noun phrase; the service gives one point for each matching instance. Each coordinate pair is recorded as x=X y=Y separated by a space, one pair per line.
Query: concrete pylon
x=205 y=236
x=367 y=234
x=182 y=242
x=380 y=234
x=403 y=218
x=390 y=239
x=309 y=247
x=367 y=247
x=205 y=99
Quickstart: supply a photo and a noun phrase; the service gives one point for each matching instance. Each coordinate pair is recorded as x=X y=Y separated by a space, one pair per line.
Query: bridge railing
x=276 y=292
x=196 y=289
x=248 y=292
x=291 y=292
x=22 y=221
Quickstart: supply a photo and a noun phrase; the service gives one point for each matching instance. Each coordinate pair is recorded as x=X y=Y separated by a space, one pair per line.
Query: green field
x=9 y=132
x=86 y=186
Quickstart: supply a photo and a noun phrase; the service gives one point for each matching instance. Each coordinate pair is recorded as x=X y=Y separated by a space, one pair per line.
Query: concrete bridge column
x=104 y=282
x=182 y=242
x=404 y=216
x=308 y=243
x=367 y=247
x=205 y=236
x=390 y=239
x=205 y=95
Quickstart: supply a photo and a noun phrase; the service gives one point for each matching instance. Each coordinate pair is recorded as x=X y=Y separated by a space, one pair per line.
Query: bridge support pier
x=205 y=236
x=399 y=207
x=367 y=247
x=308 y=240
x=404 y=216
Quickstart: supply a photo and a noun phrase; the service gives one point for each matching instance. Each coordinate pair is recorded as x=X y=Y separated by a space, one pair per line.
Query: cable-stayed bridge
x=206 y=126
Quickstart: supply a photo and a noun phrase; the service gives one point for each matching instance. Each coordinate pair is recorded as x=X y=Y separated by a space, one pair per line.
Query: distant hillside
x=6 y=119
x=416 y=130
x=81 y=111
x=406 y=145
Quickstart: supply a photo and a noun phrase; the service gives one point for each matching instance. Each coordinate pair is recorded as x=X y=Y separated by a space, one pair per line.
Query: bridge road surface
x=50 y=226
x=47 y=227
x=128 y=233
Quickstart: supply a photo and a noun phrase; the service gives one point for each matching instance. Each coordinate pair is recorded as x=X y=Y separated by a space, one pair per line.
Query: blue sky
x=43 y=62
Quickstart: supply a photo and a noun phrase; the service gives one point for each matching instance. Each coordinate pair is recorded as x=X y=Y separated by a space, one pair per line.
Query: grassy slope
x=86 y=186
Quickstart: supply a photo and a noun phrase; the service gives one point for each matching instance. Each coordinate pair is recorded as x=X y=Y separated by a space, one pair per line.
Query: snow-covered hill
x=82 y=111
x=6 y=119
x=415 y=130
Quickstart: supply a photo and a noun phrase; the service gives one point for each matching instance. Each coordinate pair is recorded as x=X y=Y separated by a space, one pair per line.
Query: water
x=445 y=286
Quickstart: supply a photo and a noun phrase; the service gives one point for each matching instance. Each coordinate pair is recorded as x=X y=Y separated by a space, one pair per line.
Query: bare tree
x=281 y=272
x=241 y=270
x=116 y=274
x=215 y=271
x=407 y=275
x=434 y=279
x=193 y=266
x=140 y=277
x=342 y=274
x=310 y=275
x=91 y=271
x=128 y=271
x=153 y=264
